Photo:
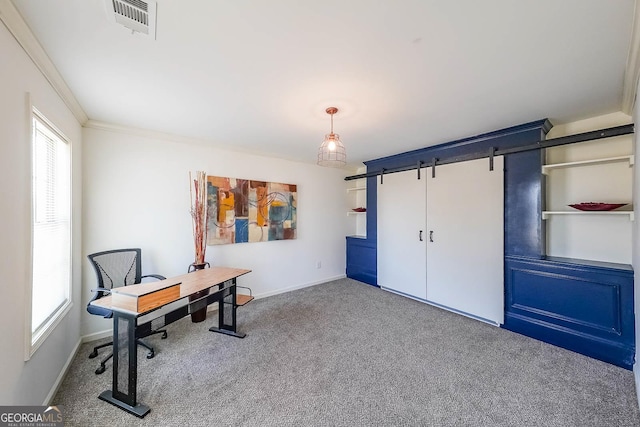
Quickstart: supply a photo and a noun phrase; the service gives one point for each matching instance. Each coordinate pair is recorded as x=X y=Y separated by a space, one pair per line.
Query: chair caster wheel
x=164 y=336
x=100 y=370
x=93 y=354
x=150 y=355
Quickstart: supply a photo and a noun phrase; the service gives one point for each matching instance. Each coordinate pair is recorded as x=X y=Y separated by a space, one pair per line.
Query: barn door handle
x=431 y=236
x=420 y=235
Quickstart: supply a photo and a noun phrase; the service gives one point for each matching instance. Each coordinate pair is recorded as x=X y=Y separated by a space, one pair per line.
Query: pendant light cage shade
x=332 y=152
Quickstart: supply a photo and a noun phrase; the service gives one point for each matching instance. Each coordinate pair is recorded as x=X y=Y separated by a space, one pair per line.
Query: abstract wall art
x=243 y=210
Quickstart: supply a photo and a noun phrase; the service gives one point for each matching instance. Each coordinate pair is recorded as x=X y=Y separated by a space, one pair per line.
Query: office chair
x=119 y=267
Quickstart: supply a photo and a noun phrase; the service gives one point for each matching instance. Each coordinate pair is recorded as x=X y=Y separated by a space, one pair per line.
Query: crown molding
x=128 y=130
x=632 y=69
x=14 y=22
x=164 y=136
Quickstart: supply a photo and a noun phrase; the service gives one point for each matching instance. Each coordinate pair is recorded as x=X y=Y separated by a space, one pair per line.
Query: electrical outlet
x=318 y=264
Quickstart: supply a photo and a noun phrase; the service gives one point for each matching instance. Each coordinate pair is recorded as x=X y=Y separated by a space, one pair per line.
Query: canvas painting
x=242 y=210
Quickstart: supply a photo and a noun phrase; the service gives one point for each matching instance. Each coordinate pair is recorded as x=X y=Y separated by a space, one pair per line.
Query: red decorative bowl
x=359 y=209
x=592 y=206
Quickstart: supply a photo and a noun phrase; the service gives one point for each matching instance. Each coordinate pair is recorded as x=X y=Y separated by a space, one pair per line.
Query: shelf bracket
x=433 y=167
x=419 y=166
x=492 y=152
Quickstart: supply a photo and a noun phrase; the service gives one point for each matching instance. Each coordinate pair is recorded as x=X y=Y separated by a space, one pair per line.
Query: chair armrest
x=99 y=293
x=99 y=311
x=155 y=276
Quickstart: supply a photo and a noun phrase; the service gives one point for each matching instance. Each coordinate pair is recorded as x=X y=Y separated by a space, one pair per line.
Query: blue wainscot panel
x=582 y=306
x=361 y=260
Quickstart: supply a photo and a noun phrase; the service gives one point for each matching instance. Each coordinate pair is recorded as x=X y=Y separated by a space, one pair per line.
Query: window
x=50 y=228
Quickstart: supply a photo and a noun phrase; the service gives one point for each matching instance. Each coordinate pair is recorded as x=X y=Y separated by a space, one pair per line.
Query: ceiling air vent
x=137 y=15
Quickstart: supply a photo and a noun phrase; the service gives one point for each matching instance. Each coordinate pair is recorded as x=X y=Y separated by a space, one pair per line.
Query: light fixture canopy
x=332 y=152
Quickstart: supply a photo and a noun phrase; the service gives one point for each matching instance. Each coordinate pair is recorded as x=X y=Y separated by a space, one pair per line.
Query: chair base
x=103 y=364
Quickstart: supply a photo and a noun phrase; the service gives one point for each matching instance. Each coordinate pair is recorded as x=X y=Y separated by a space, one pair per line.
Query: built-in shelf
x=357 y=198
x=547 y=214
x=619 y=159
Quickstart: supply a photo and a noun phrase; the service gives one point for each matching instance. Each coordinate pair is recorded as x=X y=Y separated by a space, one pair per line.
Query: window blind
x=51 y=227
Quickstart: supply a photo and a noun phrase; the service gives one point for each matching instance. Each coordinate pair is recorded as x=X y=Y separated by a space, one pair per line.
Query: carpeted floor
x=347 y=354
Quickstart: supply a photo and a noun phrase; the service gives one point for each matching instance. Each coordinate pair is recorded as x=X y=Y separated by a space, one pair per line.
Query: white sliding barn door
x=465 y=222
x=401 y=219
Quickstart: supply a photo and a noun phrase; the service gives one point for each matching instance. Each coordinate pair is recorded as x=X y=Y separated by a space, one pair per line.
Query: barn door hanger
x=492 y=152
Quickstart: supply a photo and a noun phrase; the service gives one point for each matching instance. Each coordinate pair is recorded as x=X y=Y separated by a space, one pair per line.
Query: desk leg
x=227 y=313
x=125 y=366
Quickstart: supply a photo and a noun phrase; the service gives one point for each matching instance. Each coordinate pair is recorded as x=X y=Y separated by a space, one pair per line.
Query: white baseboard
x=293 y=288
x=214 y=306
x=87 y=338
x=63 y=373
x=97 y=336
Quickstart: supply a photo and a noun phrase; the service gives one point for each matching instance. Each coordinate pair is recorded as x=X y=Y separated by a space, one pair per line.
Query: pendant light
x=331 y=152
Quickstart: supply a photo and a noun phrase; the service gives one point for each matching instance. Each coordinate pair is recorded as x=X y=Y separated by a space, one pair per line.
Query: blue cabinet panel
x=582 y=303
x=372 y=210
x=361 y=260
x=585 y=307
x=524 y=229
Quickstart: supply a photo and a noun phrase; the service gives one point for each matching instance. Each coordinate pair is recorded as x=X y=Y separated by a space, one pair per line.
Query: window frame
x=34 y=339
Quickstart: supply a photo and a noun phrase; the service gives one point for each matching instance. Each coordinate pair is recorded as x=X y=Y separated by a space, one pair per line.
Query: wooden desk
x=126 y=329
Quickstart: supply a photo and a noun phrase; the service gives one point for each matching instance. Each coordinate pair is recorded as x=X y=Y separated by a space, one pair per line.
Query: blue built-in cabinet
x=362 y=262
x=579 y=305
x=361 y=259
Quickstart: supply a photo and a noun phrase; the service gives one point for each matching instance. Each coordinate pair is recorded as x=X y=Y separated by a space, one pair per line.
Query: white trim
x=29 y=252
x=97 y=336
x=58 y=382
x=34 y=341
x=632 y=69
x=51 y=125
x=151 y=134
x=48 y=328
x=305 y=285
x=16 y=25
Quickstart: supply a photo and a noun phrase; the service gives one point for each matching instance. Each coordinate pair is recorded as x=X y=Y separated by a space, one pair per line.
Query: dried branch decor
x=199 y=214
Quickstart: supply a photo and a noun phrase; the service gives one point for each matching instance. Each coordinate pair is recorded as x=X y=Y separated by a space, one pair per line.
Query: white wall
x=29 y=382
x=136 y=194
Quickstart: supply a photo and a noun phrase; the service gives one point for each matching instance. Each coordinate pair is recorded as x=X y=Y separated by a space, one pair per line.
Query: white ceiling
x=258 y=75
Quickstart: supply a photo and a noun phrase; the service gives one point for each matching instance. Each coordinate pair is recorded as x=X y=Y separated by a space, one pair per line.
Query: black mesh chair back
x=120 y=267
x=116 y=268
